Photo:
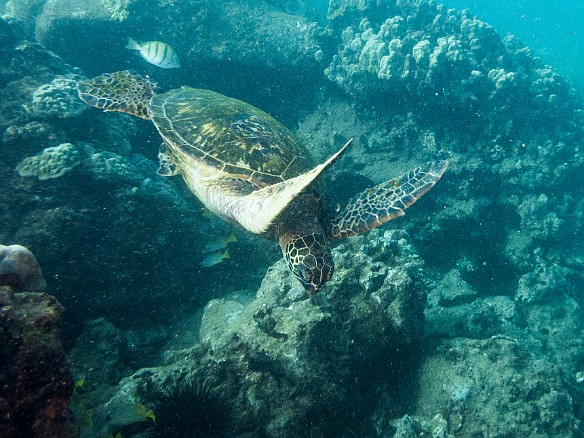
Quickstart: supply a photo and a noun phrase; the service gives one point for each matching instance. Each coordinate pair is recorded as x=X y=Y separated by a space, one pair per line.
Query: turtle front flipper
x=385 y=201
x=258 y=210
x=122 y=91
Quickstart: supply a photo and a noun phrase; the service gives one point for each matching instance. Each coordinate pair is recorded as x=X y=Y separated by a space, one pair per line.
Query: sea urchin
x=192 y=409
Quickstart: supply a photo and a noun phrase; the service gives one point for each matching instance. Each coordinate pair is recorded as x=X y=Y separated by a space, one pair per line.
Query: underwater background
x=552 y=28
x=129 y=310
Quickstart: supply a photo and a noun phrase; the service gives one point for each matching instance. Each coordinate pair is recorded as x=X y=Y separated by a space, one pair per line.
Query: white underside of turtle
x=255 y=211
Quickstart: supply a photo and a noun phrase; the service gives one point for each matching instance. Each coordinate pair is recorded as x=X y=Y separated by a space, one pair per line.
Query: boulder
x=283 y=357
x=36 y=380
x=20 y=270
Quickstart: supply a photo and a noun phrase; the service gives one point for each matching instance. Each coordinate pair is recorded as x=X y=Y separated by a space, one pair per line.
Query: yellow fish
x=123 y=414
x=214 y=259
x=220 y=243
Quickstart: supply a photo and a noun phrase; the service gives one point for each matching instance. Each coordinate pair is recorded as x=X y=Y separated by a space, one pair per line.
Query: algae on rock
x=283 y=356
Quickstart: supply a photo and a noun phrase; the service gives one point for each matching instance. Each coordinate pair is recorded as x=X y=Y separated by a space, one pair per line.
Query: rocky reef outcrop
x=440 y=82
x=36 y=378
x=411 y=81
x=277 y=359
x=210 y=38
x=486 y=387
x=405 y=52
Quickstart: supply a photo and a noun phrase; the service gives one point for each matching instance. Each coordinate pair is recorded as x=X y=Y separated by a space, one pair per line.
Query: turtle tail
x=123 y=91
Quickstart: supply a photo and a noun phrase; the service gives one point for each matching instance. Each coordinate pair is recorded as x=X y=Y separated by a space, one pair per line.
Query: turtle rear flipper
x=385 y=201
x=122 y=91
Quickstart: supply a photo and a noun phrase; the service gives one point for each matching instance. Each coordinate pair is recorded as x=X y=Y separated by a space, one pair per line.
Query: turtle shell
x=229 y=134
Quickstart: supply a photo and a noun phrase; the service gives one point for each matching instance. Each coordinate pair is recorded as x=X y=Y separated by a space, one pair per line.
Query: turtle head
x=309 y=258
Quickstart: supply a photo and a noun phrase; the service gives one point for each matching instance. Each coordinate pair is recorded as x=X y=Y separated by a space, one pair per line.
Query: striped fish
x=156 y=52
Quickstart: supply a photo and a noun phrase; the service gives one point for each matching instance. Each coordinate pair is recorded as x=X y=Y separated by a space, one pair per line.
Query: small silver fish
x=214 y=259
x=219 y=243
x=156 y=53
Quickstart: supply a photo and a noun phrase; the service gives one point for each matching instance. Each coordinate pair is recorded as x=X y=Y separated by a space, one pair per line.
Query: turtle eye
x=305 y=274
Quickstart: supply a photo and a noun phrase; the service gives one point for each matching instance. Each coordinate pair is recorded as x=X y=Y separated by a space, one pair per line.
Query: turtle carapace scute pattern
x=250 y=170
x=229 y=135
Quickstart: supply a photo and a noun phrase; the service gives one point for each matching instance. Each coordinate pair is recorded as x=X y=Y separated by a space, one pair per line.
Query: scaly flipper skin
x=385 y=201
x=121 y=91
x=166 y=166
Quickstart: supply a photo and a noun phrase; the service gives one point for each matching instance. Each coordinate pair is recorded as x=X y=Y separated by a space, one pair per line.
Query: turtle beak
x=318 y=277
x=313 y=288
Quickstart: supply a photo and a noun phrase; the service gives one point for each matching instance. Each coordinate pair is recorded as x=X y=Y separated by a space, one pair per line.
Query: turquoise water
x=554 y=29
x=461 y=318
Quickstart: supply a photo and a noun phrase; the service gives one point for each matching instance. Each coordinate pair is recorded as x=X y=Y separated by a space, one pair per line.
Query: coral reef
x=500 y=351
x=36 y=380
x=52 y=162
x=448 y=58
x=439 y=82
x=58 y=99
x=20 y=269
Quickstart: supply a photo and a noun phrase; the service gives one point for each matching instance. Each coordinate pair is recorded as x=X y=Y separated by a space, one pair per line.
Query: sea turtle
x=249 y=169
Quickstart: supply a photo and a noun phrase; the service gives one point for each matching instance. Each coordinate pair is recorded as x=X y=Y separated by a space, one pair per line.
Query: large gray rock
x=283 y=356
x=492 y=387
